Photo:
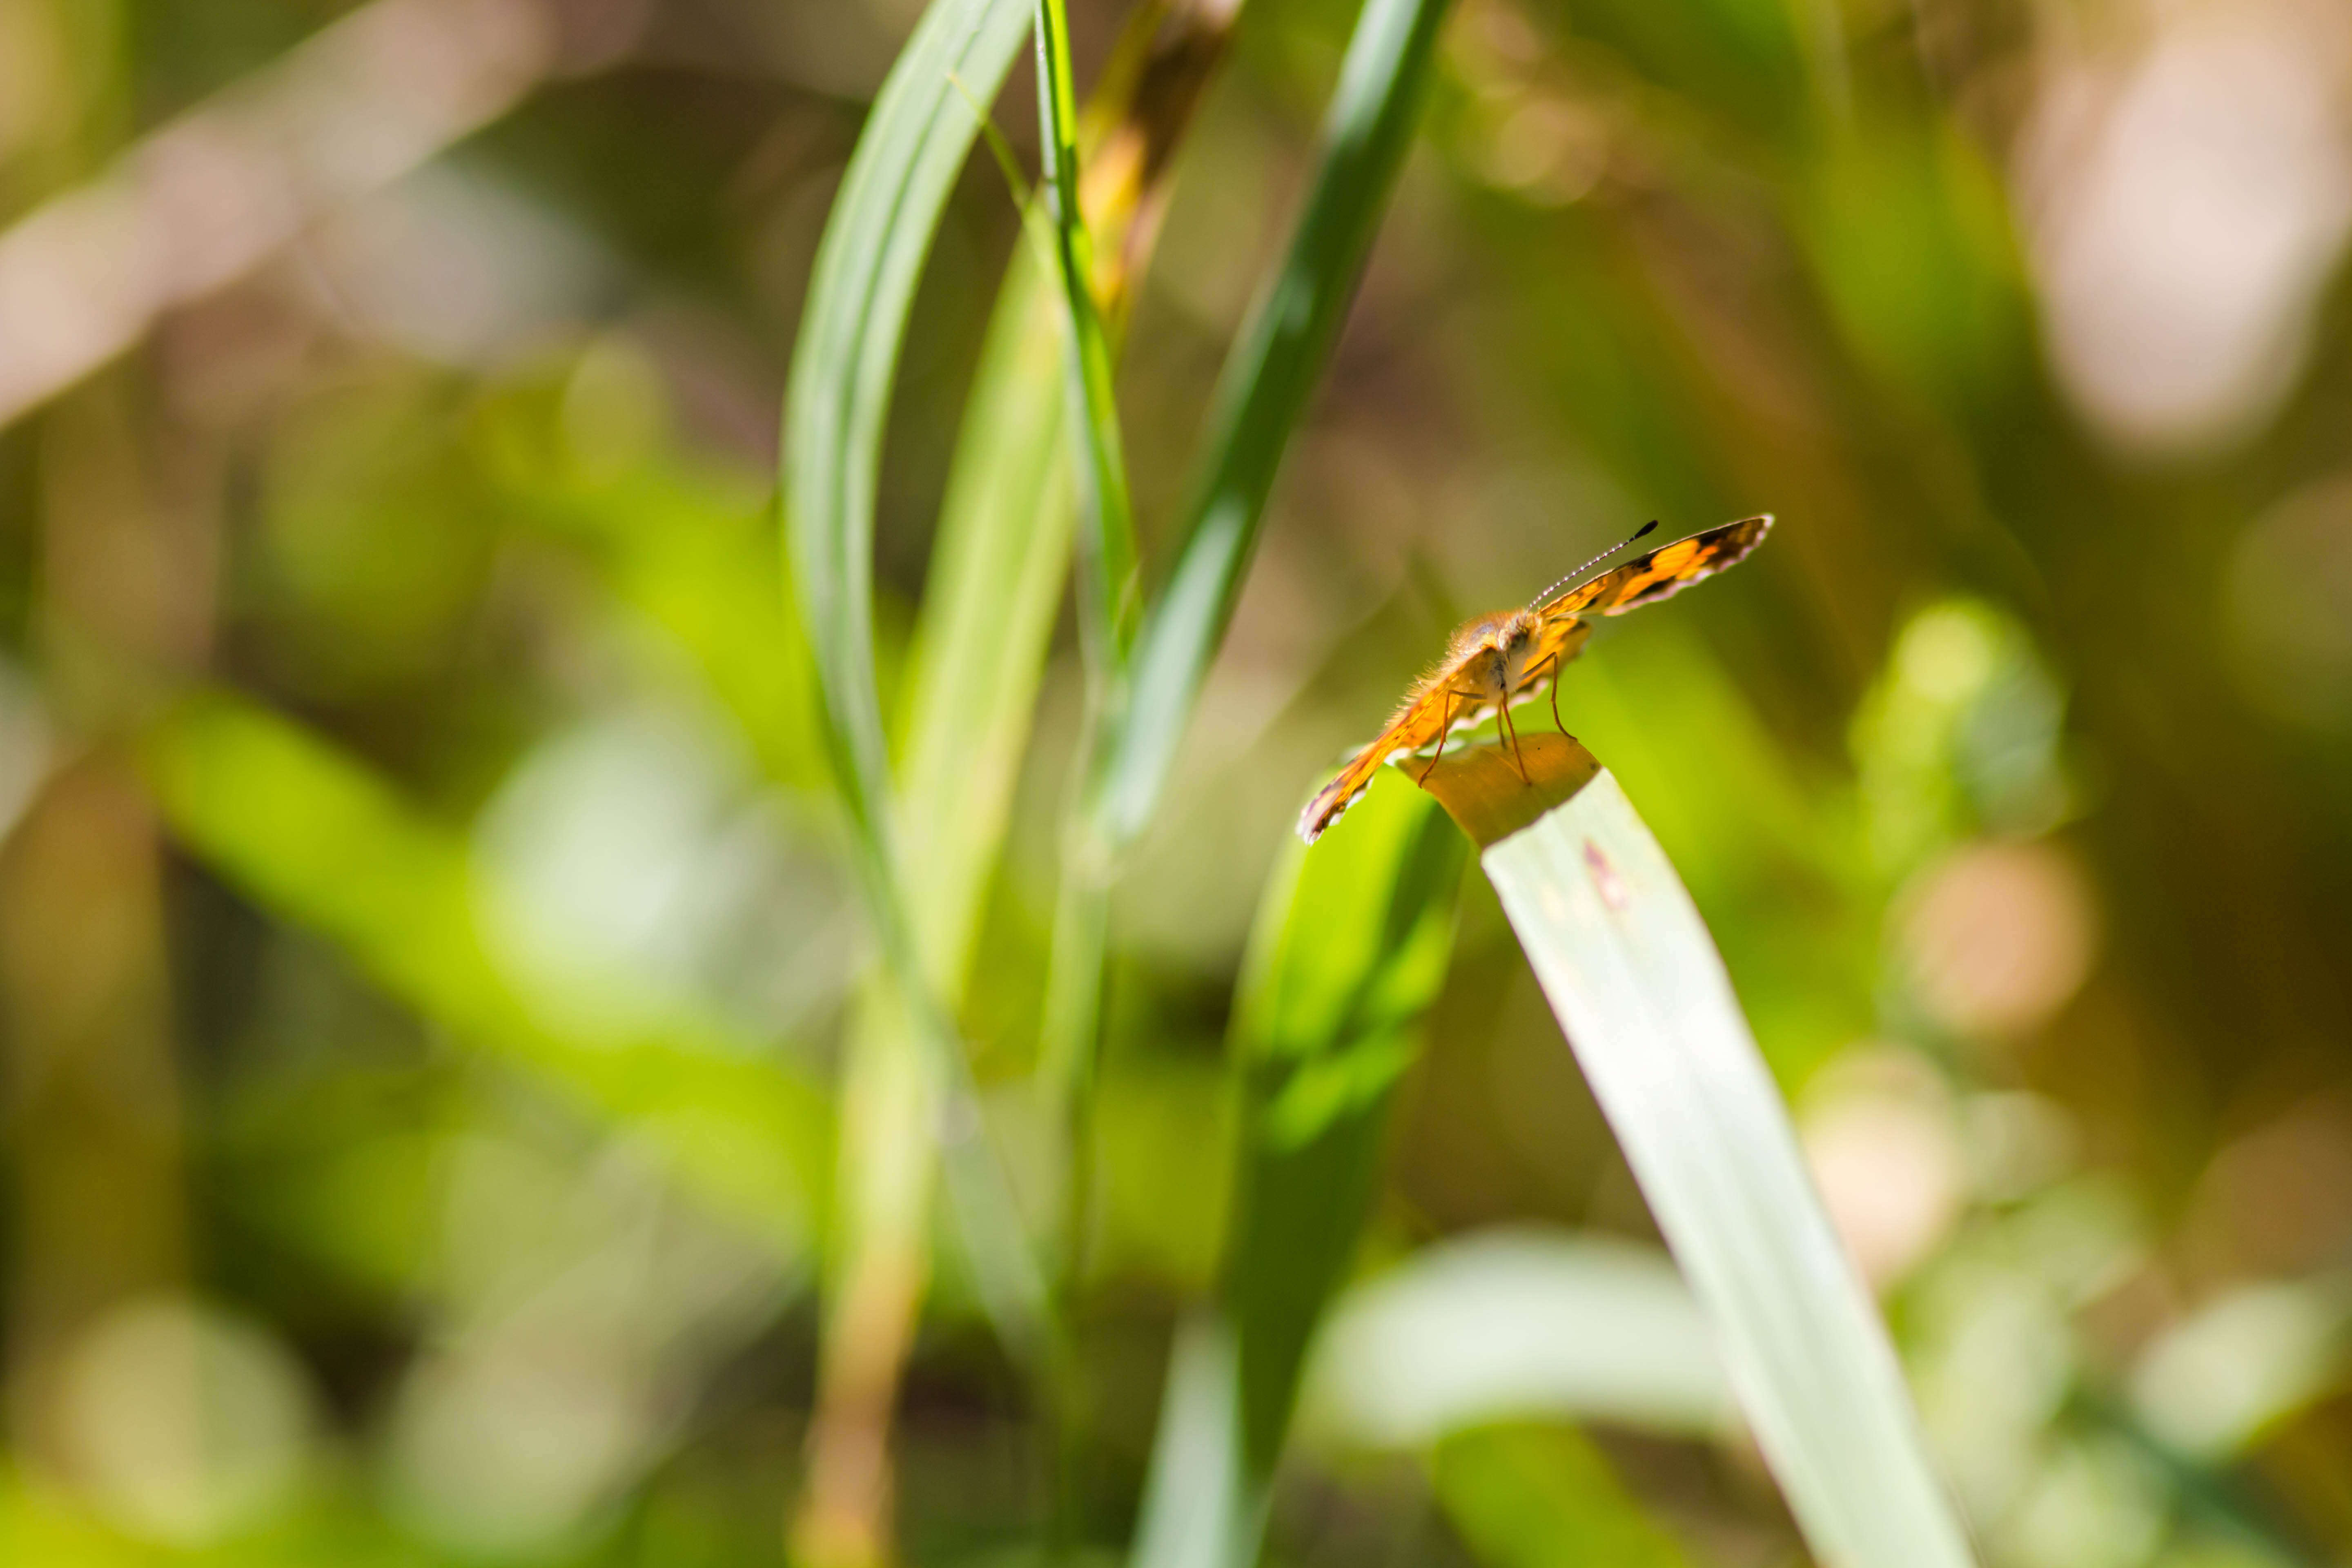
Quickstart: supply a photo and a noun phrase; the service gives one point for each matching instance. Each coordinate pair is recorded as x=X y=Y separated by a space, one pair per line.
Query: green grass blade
x=311 y=836
x=1350 y=948
x=1632 y=973
x=1109 y=586
x=1198 y=1510
x=880 y=231
x=978 y=658
x=986 y=619
x=1267 y=380
x=1350 y=951
x=1108 y=579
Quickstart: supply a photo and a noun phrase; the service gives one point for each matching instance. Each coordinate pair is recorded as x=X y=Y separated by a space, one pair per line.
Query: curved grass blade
x=881 y=228
x=867 y=265
x=978 y=657
x=1629 y=968
x=1350 y=948
x=1466 y=1333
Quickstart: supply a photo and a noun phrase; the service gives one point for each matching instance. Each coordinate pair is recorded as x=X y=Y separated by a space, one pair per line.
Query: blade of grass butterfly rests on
x=1351 y=947
x=978 y=658
x=314 y=838
x=879 y=232
x=1631 y=971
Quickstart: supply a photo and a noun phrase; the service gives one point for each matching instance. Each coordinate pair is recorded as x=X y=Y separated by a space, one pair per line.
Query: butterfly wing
x=1559 y=637
x=1423 y=717
x=1662 y=574
x=1561 y=628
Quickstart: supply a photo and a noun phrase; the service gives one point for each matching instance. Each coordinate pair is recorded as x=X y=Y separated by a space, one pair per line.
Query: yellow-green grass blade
x=1263 y=392
x=318 y=841
x=978 y=657
x=986 y=621
x=1634 y=978
x=1351 y=947
x=1106 y=577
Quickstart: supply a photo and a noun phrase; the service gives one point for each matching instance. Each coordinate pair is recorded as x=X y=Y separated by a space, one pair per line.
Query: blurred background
x=426 y=926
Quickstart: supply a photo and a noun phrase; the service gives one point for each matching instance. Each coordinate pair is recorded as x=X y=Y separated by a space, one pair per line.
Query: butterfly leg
x=1504 y=710
x=1553 y=692
x=1445 y=733
x=1551 y=662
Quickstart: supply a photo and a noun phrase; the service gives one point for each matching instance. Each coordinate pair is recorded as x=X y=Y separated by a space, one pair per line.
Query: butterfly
x=1513 y=655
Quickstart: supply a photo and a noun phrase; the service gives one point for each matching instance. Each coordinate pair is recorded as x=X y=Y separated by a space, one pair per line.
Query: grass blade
x=1108 y=575
x=1349 y=950
x=314 y=838
x=874 y=243
x=978 y=658
x=1267 y=380
x=1634 y=979
x=1465 y=1332
x=880 y=230
x=986 y=621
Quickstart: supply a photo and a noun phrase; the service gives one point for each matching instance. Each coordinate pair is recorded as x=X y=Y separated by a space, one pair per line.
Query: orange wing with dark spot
x=1440 y=700
x=1561 y=628
x=1416 y=726
x=1663 y=572
x=1559 y=638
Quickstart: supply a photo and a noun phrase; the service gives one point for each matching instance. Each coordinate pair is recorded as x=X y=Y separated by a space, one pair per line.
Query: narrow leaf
x=867 y=265
x=1107 y=563
x=1350 y=948
x=880 y=230
x=1632 y=973
x=1274 y=368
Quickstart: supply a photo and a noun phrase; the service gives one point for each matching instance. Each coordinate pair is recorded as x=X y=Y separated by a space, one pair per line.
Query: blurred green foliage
x=430 y=938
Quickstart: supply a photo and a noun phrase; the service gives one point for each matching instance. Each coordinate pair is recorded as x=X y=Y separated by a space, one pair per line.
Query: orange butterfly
x=1498 y=661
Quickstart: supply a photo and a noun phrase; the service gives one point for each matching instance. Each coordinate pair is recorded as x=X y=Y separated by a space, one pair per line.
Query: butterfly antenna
x=1596 y=561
